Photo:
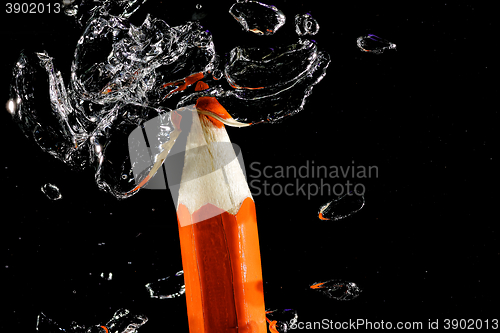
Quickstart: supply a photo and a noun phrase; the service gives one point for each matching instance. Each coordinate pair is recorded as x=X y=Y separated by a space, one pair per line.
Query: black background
x=424 y=247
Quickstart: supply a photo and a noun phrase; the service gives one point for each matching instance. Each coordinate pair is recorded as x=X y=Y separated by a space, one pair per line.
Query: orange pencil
x=218 y=232
x=217 y=226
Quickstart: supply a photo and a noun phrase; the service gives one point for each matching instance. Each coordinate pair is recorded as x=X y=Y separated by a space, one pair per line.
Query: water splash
x=84 y=11
x=111 y=155
x=258 y=17
x=116 y=61
x=121 y=322
x=37 y=85
x=305 y=24
x=342 y=207
x=51 y=191
x=123 y=76
x=274 y=82
x=338 y=289
x=281 y=321
x=169 y=287
x=374 y=44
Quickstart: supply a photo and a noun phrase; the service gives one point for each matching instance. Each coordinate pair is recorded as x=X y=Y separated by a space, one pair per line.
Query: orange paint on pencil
x=212 y=105
x=220 y=295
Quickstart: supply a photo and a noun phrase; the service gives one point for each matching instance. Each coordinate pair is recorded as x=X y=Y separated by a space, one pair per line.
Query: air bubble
x=305 y=24
x=342 y=207
x=374 y=44
x=51 y=191
x=258 y=17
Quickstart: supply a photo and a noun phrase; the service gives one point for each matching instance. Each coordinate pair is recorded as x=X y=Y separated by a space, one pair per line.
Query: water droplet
x=71 y=11
x=200 y=13
x=342 y=207
x=305 y=24
x=374 y=44
x=51 y=191
x=218 y=74
x=338 y=289
x=169 y=287
x=258 y=17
